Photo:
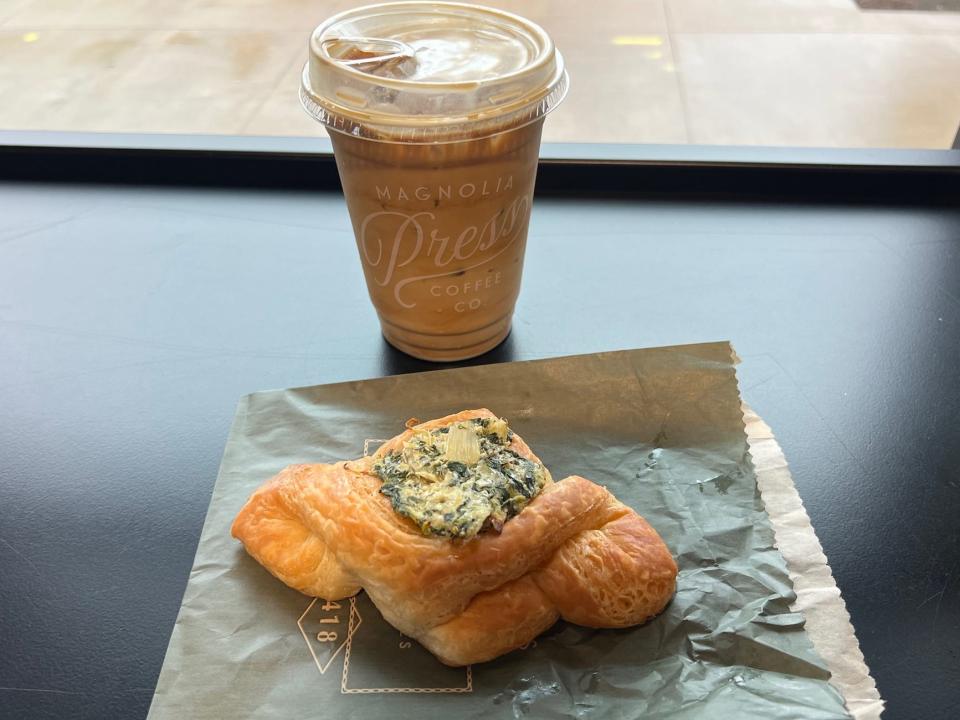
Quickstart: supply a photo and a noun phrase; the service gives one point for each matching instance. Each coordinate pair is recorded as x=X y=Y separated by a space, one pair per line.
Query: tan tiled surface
x=776 y=72
x=139 y=80
x=618 y=93
x=280 y=112
x=801 y=16
x=872 y=90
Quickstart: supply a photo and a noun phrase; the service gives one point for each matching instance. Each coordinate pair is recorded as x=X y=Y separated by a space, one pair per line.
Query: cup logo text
x=390 y=240
x=464 y=191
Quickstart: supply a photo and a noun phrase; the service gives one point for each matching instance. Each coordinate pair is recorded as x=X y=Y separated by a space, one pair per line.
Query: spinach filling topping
x=460 y=480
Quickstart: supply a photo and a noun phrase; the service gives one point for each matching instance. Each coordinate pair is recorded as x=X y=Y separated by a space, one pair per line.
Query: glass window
x=820 y=73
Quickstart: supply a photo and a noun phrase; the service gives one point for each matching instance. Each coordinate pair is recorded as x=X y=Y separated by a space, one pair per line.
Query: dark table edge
x=579 y=152
x=607 y=170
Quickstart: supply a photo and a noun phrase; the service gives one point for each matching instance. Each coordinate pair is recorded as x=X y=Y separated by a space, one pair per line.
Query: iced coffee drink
x=435 y=112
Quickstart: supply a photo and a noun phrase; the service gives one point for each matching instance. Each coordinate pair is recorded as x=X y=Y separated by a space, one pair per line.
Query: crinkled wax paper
x=661 y=428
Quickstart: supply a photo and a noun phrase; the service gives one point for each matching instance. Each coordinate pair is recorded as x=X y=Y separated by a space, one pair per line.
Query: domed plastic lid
x=425 y=72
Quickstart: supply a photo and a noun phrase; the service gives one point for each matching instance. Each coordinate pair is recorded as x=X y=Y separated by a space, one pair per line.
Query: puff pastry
x=574 y=552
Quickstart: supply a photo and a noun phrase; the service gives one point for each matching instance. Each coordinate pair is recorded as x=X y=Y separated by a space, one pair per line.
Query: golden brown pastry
x=470 y=584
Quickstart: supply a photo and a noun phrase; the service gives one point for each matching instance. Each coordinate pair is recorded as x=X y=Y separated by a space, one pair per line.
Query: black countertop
x=133 y=318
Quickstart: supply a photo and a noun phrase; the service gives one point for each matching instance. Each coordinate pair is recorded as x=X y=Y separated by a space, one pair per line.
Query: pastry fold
x=575 y=552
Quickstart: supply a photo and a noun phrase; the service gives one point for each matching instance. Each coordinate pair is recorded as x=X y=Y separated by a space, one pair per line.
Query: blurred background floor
x=756 y=72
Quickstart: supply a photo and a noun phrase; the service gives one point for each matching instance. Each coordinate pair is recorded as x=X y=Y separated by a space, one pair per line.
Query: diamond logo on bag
x=326 y=627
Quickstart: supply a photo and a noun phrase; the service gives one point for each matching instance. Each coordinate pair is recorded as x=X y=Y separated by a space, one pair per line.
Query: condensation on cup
x=435 y=112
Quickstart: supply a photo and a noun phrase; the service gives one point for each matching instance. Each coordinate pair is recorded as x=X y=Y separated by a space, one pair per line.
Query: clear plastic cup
x=435 y=112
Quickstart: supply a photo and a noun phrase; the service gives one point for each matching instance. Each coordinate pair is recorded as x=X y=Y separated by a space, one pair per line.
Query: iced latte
x=435 y=112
